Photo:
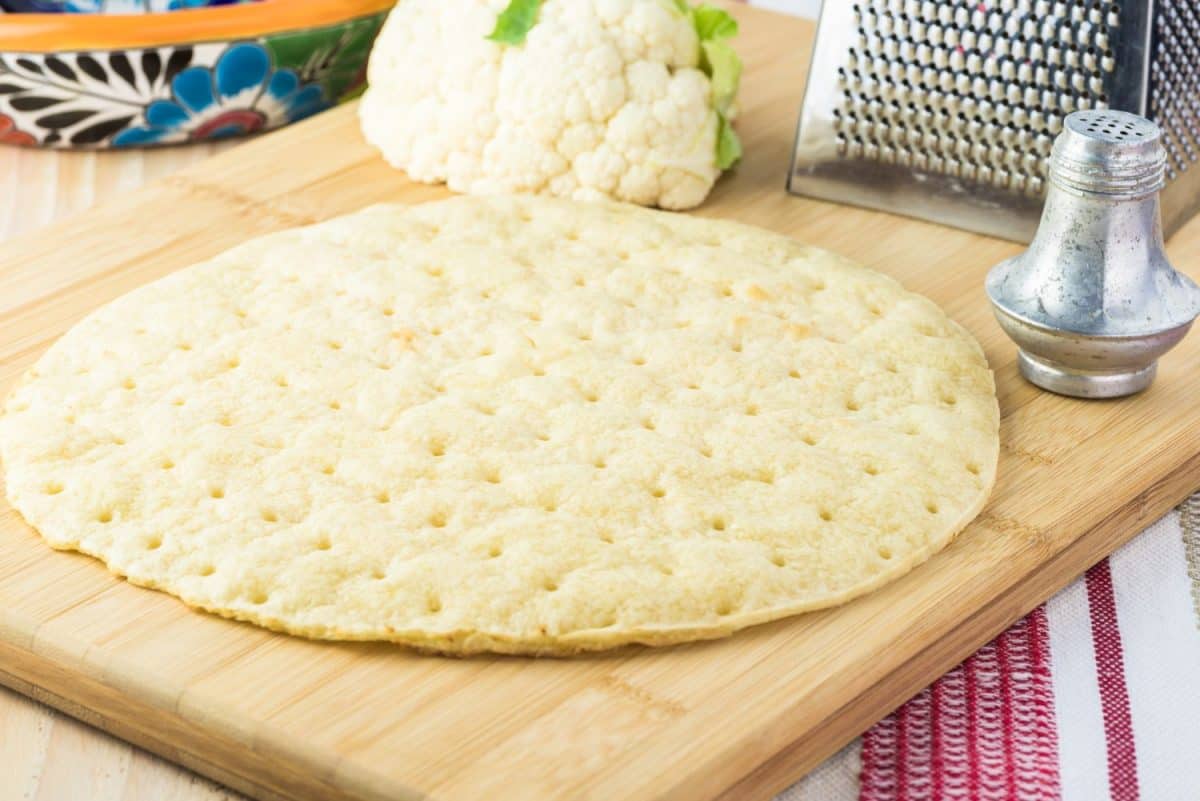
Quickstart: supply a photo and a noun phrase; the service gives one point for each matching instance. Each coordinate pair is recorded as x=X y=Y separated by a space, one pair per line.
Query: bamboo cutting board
x=279 y=717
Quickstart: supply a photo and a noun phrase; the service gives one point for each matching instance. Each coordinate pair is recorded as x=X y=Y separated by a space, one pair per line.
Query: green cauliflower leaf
x=515 y=22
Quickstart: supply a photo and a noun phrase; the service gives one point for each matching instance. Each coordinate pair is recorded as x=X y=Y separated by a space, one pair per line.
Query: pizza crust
x=509 y=424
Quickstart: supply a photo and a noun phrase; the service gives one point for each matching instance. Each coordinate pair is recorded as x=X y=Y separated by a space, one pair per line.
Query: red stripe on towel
x=1110 y=676
x=985 y=730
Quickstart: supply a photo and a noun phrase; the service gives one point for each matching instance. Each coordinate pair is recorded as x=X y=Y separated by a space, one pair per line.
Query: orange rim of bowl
x=50 y=33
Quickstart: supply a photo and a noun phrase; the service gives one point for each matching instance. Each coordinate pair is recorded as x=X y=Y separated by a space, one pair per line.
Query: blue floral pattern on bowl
x=241 y=94
x=109 y=6
x=174 y=94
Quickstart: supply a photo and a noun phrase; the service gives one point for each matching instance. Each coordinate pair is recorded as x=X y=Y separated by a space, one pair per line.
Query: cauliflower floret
x=603 y=99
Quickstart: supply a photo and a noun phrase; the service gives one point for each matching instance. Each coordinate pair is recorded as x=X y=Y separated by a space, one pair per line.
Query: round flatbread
x=511 y=424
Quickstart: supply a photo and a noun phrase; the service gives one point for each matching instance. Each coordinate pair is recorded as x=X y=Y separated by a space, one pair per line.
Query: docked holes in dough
x=605 y=466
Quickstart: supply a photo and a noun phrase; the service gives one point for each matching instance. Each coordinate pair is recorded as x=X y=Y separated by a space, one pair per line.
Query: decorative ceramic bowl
x=98 y=80
x=108 y=6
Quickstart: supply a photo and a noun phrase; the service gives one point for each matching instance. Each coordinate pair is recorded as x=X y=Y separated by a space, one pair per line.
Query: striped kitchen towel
x=1094 y=695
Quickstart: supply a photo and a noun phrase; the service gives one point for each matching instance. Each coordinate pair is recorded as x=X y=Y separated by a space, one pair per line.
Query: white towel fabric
x=1095 y=695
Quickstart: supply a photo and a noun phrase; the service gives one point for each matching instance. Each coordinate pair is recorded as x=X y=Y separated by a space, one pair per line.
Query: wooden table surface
x=44 y=755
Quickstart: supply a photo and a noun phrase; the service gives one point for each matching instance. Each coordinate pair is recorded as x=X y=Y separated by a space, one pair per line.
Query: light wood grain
x=38 y=187
x=45 y=755
x=736 y=719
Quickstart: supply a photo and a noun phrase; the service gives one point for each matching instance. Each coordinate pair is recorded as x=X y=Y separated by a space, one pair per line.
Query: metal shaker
x=1094 y=302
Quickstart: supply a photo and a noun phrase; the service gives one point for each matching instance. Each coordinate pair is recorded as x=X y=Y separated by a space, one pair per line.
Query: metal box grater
x=947 y=109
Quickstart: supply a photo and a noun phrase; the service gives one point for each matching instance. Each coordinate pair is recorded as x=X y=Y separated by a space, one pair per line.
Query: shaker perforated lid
x=1109 y=152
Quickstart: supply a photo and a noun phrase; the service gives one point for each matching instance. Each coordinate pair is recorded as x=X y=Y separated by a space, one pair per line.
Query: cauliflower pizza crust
x=604 y=99
x=511 y=424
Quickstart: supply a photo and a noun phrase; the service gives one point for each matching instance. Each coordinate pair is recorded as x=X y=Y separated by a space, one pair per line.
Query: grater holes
x=1023 y=109
x=1175 y=72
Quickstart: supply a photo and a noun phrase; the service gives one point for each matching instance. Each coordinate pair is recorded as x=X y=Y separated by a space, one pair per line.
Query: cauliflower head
x=587 y=99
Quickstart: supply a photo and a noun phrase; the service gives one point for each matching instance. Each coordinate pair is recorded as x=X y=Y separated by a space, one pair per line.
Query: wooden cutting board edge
x=274 y=769
x=860 y=713
x=111 y=696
